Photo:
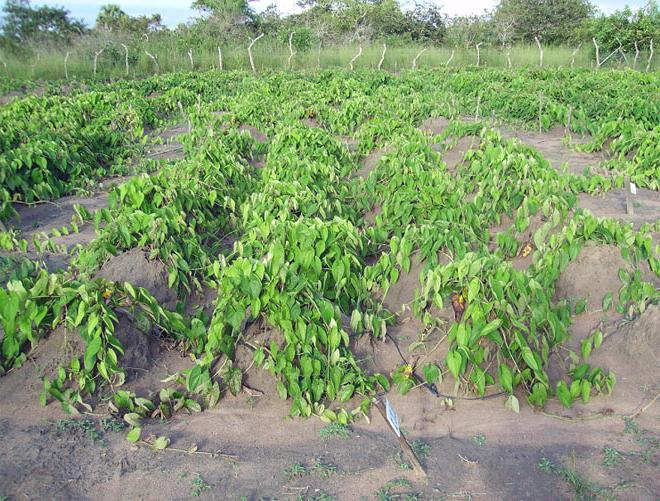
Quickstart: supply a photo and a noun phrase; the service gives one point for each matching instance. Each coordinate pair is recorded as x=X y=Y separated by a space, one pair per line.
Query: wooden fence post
x=126 y=57
x=96 y=56
x=155 y=60
x=478 y=53
x=382 y=57
x=414 y=62
x=355 y=58
x=254 y=70
x=291 y=53
x=538 y=44
x=66 y=70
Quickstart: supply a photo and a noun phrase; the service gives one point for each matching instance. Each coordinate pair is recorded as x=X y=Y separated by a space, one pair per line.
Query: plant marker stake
x=403 y=442
x=631 y=189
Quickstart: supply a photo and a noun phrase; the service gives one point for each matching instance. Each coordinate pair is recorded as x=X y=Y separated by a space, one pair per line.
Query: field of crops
x=306 y=244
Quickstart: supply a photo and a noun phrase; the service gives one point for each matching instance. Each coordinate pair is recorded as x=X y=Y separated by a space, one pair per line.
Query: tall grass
x=50 y=64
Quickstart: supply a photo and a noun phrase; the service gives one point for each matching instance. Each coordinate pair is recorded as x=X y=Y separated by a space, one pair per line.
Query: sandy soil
x=478 y=450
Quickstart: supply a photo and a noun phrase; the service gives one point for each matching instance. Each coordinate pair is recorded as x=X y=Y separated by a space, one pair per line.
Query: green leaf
x=530 y=360
x=607 y=301
x=491 y=327
x=473 y=289
x=160 y=443
x=563 y=394
x=281 y=390
x=512 y=404
x=134 y=434
x=506 y=378
x=598 y=338
x=90 y=353
x=431 y=373
x=454 y=362
x=133 y=418
x=580 y=306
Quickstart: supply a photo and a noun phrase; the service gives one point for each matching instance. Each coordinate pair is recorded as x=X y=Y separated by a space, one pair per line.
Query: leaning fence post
x=219 y=59
x=414 y=62
x=574 y=53
x=382 y=57
x=355 y=58
x=190 y=56
x=450 y=58
x=508 y=56
x=155 y=60
x=636 y=56
x=648 y=64
x=254 y=70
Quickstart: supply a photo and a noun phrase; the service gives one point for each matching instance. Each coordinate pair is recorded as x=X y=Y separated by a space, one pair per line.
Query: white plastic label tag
x=392 y=418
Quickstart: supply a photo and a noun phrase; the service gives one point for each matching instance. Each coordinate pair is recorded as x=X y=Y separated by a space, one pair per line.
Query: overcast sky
x=174 y=11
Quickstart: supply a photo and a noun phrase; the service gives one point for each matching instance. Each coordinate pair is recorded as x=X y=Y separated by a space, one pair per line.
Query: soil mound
x=593 y=274
x=134 y=267
x=455 y=155
x=369 y=163
x=639 y=342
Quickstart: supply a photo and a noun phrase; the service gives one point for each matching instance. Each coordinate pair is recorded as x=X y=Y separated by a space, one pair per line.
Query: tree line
x=28 y=28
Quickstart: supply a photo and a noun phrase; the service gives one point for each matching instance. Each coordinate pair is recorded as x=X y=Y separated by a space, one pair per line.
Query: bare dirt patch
x=434 y=126
x=370 y=162
x=455 y=155
x=612 y=203
x=551 y=145
x=594 y=273
x=170 y=148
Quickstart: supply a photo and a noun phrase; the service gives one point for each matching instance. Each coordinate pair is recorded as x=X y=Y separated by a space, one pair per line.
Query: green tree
x=553 y=21
x=21 y=24
x=112 y=18
x=625 y=26
x=426 y=23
